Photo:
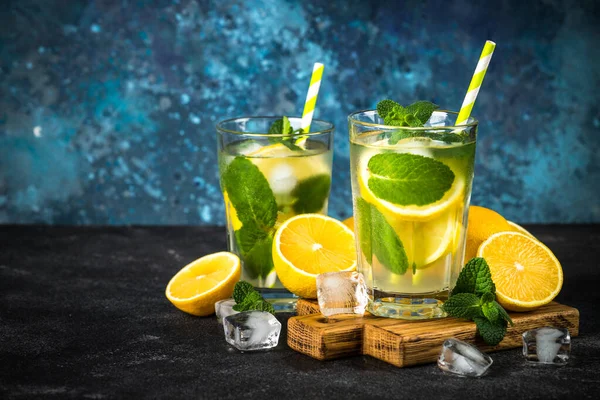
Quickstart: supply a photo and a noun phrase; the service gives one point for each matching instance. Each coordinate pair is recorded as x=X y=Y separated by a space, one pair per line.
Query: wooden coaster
x=404 y=343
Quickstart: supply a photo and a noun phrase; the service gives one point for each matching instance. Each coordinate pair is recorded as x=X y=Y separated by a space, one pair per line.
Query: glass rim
x=351 y=118
x=221 y=129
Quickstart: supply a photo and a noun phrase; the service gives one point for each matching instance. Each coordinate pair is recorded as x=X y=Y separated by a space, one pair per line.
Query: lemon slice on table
x=199 y=285
x=483 y=223
x=308 y=245
x=526 y=272
x=410 y=212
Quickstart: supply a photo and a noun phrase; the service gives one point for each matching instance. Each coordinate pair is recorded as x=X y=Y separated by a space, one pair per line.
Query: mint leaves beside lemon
x=248 y=299
x=378 y=238
x=474 y=298
x=409 y=179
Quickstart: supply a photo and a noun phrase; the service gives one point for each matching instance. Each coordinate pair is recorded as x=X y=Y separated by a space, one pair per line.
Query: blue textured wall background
x=107 y=108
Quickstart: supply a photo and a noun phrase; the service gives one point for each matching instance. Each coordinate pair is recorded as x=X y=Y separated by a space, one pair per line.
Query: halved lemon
x=483 y=223
x=199 y=285
x=518 y=228
x=308 y=245
x=349 y=222
x=411 y=212
x=526 y=272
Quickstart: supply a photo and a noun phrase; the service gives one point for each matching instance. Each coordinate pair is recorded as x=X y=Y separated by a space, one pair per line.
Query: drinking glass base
x=282 y=299
x=426 y=306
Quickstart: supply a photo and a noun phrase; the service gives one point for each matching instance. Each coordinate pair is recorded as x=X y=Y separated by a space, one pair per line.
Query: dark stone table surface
x=83 y=315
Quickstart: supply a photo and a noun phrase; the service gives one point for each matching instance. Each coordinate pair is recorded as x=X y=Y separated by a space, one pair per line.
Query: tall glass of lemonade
x=411 y=189
x=266 y=179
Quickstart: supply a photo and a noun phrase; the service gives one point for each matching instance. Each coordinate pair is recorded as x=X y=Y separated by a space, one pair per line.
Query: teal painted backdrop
x=107 y=108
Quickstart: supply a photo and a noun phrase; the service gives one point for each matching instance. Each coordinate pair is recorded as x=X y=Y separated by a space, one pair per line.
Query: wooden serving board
x=404 y=343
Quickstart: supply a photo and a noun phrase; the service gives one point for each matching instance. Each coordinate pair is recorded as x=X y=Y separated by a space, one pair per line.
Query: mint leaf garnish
x=385 y=106
x=248 y=299
x=476 y=278
x=414 y=115
x=474 y=298
x=241 y=290
x=422 y=110
x=256 y=208
x=491 y=333
x=409 y=179
x=284 y=127
x=464 y=305
x=380 y=239
x=311 y=194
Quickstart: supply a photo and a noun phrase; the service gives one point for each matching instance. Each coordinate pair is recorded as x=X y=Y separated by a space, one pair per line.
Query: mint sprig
x=248 y=299
x=284 y=127
x=474 y=298
x=413 y=116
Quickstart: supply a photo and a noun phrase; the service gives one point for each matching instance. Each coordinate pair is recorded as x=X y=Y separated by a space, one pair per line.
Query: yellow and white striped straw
x=311 y=97
x=482 y=65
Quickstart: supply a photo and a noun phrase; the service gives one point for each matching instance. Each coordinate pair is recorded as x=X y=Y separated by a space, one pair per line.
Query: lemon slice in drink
x=408 y=212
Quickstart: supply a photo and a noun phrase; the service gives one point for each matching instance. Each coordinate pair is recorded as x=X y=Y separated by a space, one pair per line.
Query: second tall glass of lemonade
x=267 y=179
x=411 y=191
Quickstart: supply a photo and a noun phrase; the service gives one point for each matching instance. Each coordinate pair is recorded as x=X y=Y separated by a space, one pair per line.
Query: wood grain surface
x=404 y=343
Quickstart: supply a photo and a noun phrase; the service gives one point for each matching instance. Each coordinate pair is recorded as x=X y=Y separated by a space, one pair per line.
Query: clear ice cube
x=547 y=345
x=252 y=330
x=342 y=293
x=463 y=359
x=224 y=308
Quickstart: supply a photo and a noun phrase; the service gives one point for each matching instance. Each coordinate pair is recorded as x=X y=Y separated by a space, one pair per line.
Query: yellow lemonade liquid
x=299 y=180
x=431 y=236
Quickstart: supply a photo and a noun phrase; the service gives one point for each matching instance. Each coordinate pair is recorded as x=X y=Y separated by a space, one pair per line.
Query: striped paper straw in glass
x=482 y=65
x=311 y=96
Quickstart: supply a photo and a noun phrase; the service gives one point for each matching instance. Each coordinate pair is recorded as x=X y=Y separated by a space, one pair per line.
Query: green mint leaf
x=253 y=201
x=263 y=305
x=409 y=179
x=283 y=126
x=247 y=236
x=503 y=314
x=379 y=238
x=487 y=297
x=476 y=278
x=241 y=290
x=422 y=110
x=258 y=260
x=248 y=301
x=463 y=305
x=396 y=116
x=492 y=333
x=385 y=106
x=412 y=121
x=311 y=194
x=490 y=311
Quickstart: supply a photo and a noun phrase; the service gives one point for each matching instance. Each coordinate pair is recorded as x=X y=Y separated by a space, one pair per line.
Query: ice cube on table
x=547 y=345
x=224 y=308
x=342 y=293
x=463 y=359
x=252 y=330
